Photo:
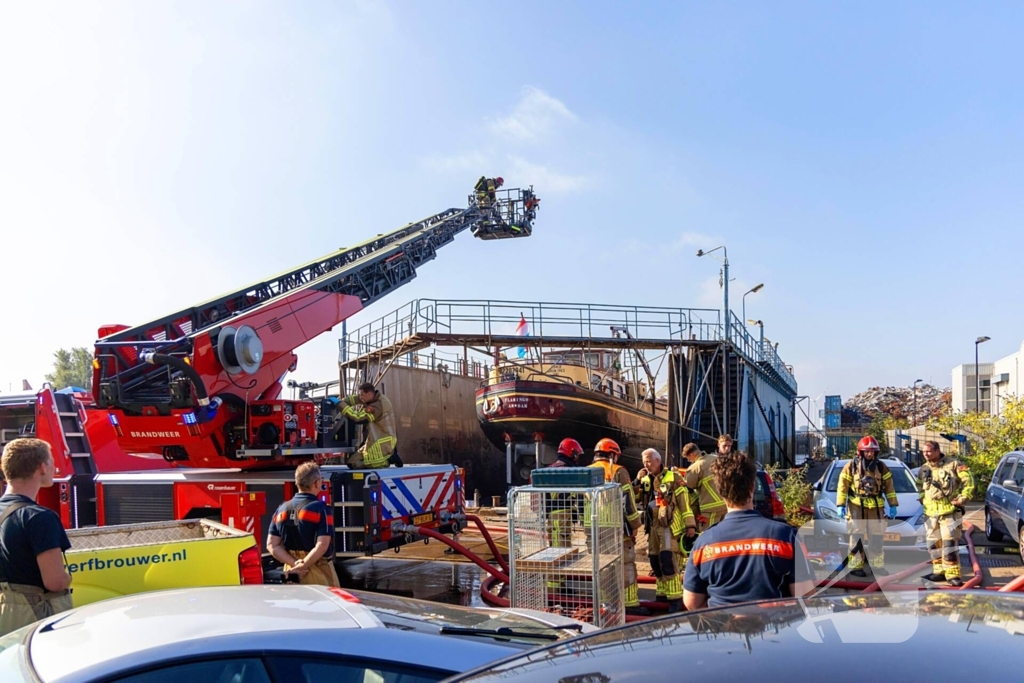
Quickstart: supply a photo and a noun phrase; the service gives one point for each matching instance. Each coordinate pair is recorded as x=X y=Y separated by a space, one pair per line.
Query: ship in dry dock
x=579 y=394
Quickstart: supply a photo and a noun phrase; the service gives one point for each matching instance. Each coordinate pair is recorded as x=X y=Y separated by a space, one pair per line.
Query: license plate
x=892 y=537
x=423 y=519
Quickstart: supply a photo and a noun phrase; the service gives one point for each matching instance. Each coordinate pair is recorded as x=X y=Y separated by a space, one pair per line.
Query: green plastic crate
x=568 y=477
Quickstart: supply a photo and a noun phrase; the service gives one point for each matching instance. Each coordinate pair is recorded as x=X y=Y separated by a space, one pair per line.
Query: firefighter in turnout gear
x=711 y=507
x=380 y=448
x=486 y=191
x=606 y=453
x=569 y=452
x=945 y=484
x=667 y=516
x=865 y=486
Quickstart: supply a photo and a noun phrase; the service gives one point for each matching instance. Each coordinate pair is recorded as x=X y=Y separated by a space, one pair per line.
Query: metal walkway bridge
x=488 y=324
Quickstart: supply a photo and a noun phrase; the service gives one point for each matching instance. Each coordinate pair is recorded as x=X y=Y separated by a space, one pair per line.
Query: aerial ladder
x=202 y=386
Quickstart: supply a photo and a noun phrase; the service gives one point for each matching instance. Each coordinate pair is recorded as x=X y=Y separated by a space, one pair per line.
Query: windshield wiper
x=503 y=632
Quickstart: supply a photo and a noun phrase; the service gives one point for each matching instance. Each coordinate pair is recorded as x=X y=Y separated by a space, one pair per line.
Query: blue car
x=1003 y=502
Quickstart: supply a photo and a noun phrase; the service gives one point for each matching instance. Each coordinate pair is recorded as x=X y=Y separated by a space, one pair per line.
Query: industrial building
x=996 y=381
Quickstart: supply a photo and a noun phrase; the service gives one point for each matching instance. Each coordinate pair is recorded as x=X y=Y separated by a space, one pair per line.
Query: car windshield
x=437 y=615
x=901 y=479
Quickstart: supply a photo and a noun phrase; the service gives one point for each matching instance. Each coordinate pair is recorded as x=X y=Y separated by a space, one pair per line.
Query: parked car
x=911 y=636
x=906 y=531
x=766 y=498
x=258 y=634
x=1003 y=500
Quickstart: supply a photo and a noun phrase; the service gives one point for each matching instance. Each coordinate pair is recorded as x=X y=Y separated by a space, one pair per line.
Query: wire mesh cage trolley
x=565 y=546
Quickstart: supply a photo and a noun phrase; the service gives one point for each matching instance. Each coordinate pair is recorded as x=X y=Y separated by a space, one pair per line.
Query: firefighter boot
x=395 y=460
x=655 y=561
x=935 y=576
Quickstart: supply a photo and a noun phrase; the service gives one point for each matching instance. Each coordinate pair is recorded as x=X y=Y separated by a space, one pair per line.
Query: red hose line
x=490 y=541
x=466 y=552
x=975 y=580
x=646 y=579
x=488 y=596
x=1014 y=586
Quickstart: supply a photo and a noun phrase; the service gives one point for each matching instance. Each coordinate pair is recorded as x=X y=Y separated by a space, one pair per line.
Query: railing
x=544 y=320
x=753 y=349
x=586 y=322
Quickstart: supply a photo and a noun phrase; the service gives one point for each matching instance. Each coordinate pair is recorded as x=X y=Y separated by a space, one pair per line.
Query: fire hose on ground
x=890 y=582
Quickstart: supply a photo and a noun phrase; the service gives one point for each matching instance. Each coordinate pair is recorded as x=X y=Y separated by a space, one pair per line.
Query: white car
x=904 y=532
x=266 y=634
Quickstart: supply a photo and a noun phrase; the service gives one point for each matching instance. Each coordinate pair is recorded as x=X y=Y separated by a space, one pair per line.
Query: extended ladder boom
x=237 y=348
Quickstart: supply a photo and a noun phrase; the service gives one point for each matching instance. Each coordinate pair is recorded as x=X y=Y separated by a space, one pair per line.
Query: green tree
x=990 y=437
x=71 y=368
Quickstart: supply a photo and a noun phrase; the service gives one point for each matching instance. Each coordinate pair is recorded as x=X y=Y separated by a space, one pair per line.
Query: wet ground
x=427 y=572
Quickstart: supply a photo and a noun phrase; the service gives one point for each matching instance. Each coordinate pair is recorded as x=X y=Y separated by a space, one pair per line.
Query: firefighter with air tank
x=865 y=486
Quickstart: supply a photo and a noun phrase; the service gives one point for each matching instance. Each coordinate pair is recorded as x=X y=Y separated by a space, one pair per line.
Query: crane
x=202 y=386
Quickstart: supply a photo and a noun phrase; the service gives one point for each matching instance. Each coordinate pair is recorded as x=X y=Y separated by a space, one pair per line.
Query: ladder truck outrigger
x=202 y=388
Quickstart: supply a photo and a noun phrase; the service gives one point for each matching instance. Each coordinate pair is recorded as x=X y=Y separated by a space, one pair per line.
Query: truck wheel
x=990 y=532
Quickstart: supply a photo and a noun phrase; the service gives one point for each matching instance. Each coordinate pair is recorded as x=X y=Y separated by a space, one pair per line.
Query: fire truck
x=186 y=418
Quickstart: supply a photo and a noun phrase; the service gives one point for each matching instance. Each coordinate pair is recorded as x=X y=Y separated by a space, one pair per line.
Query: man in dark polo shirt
x=33 y=579
x=301 y=535
x=745 y=556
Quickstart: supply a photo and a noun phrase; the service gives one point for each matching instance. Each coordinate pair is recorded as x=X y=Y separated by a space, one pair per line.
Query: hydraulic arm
x=201 y=386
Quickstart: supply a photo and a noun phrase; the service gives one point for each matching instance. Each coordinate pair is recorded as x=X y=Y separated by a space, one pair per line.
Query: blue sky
x=864 y=161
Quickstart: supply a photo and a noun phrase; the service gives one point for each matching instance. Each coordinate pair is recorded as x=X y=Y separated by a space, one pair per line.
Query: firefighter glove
x=892 y=512
x=841 y=511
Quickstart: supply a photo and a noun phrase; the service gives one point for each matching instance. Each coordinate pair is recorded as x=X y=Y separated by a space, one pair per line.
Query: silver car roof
x=112 y=635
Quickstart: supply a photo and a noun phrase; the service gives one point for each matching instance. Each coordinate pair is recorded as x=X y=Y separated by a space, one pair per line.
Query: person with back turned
x=709 y=504
x=301 y=535
x=34 y=581
x=745 y=556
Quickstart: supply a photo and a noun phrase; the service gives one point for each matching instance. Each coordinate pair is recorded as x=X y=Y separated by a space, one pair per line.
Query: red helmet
x=499 y=181
x=570 y=448
x=607 y=446
x=868 y=443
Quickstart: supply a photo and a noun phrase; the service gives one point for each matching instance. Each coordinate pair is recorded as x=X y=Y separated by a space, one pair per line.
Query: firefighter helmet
x=499 y=181
x=570 y=448
x=608 y=446
x=868 y=443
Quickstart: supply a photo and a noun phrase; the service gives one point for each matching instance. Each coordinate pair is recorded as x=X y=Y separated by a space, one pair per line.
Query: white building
x=997 y=381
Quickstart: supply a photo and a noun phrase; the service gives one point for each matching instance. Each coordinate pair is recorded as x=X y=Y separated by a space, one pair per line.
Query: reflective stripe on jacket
x=668 y=490
x=699 y=478
x=941 y=483
x=381 y=437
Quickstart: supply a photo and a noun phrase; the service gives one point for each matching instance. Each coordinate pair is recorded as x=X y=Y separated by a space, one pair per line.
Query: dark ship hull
x=525 y=411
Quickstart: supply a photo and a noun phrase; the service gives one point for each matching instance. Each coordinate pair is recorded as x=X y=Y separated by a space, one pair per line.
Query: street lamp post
x=977 y=374
x=916 y=382
x=752 y=290
x=726 y=326
x=760 y=341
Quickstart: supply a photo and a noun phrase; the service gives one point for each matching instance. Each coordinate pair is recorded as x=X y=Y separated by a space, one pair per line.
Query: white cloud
x=544 y=178
x=536 y=114
x=470 y=161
